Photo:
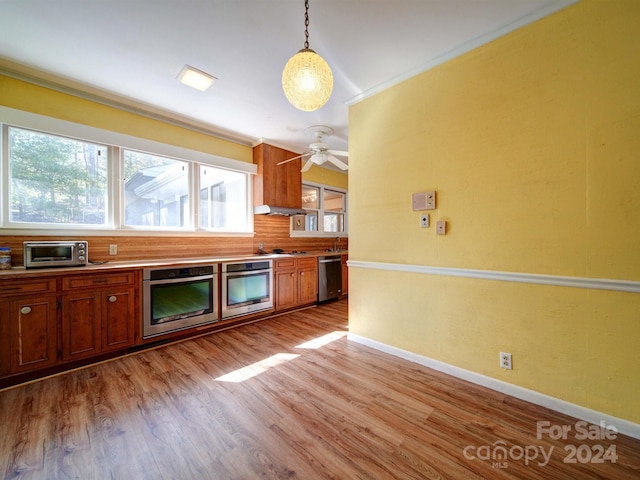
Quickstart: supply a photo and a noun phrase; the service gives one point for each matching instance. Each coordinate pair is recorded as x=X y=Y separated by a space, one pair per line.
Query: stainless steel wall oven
x=179 y=297
x=247 y=287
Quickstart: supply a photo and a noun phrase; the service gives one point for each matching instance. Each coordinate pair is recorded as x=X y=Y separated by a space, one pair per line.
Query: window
x=223 y=199
x=57 y=181
x=156 y=191
x=311 y=203
x=334 y=208
x=326 y=210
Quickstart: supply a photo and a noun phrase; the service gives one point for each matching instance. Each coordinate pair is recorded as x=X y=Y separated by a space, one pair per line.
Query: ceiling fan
x=319 y=151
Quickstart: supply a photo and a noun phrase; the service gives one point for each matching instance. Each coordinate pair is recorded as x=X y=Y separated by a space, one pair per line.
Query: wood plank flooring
x=285 y=398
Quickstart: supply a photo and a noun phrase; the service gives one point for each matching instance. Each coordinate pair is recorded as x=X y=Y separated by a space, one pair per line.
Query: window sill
x=301 y=234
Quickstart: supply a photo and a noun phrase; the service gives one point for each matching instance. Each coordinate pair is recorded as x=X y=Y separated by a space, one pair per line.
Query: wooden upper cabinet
x=279 y=185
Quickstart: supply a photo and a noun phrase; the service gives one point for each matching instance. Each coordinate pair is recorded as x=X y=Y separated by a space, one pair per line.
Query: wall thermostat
x=424 y=200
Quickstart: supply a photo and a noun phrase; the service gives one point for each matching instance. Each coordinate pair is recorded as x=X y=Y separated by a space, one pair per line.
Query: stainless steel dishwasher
x=329 y=277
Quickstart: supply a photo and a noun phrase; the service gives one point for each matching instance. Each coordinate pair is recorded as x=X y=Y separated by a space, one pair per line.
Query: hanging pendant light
x=307 y=80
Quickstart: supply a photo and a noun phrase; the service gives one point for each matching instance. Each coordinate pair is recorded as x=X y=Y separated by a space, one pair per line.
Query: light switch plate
x=431 y=199
x=441 y=227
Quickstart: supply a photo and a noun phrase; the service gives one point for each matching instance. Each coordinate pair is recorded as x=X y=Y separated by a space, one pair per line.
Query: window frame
x=117 y=143
x=5 y=201
x=321 y=212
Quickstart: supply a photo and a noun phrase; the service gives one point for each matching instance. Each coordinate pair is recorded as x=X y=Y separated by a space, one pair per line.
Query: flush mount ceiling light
x=307 y=80
x=196 y=78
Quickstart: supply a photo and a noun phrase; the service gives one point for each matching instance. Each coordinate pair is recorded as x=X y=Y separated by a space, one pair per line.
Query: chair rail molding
x=534 y=278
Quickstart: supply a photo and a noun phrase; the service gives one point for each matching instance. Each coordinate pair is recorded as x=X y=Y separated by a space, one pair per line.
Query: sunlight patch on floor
x=323 y=340
x=257 y=368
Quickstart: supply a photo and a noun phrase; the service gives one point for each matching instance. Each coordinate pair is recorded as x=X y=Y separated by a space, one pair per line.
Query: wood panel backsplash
x=273 y=231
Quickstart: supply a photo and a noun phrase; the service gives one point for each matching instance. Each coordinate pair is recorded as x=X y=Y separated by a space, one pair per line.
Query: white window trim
x=306 y=234
x=54 y=126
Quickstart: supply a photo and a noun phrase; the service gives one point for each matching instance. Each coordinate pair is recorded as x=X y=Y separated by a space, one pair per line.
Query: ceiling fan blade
x=294 y=158
x=338 y=163
x=307 y=165
x=341 y=153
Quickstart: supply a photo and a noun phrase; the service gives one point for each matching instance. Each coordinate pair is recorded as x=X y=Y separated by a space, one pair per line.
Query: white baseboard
x=625 y=427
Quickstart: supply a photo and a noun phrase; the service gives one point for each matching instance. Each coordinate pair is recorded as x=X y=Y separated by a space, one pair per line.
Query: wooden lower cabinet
x=52 y=320
x=28 y=325
x=345 y=275
x=98 y=314
x=95 y=322
x=286 y=288
x=119 y=317
x=33 y=333
x=296 y=282
x=80 y=325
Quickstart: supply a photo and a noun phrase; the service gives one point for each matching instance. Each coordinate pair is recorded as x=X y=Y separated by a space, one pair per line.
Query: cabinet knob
x=25 y=310
x=301 y=273
x=113 y=298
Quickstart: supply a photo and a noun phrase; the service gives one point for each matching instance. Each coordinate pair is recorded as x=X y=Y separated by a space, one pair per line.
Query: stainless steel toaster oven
x=56 y=254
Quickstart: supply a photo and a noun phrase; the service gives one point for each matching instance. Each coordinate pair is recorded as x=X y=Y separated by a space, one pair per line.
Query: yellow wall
x=326 y=177
x=532 y=144
x=32 y=98
x=35 y=99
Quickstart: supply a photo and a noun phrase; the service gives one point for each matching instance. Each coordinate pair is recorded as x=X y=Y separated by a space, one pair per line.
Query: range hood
x=277 y=188
x=273 y=210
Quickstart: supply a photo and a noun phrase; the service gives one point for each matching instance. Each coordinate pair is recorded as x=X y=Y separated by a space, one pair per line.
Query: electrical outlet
x=424 y=220
x=113 y=249
x=261 y=245
x=441 y=227
x=505 y=361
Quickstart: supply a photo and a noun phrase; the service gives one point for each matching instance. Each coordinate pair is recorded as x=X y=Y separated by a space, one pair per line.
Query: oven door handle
x=247 y=272
x=179 y=280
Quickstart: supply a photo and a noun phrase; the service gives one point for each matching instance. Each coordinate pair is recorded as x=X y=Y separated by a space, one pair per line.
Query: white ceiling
x=131 y=51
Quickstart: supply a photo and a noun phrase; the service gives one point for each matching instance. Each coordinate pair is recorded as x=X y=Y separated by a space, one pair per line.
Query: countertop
x=22 y=272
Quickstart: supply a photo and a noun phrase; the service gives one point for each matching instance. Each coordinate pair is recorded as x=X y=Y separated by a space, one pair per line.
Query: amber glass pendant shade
x=307 y=80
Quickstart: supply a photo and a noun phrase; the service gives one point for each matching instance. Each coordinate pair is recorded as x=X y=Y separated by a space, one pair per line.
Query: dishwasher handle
x=329 y=260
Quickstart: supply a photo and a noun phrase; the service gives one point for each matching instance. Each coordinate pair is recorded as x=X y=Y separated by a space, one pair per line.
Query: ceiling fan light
x=307 y=80
x=319 y=158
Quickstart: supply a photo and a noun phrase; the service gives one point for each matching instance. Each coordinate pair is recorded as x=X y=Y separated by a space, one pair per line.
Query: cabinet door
x=5 y=338
x=277 y=184
x=33 y=333
x=80 y=325
x=286 y=289
x=345 y=276
x=118 y=313
x=307 y=285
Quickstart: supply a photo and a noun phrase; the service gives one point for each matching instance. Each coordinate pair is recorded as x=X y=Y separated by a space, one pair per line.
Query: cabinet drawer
x=308 y=262
x=286 y=264
x=27 y=287
x=98 y=280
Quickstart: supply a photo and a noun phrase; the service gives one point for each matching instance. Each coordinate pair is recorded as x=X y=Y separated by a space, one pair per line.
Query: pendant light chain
x=306 y=23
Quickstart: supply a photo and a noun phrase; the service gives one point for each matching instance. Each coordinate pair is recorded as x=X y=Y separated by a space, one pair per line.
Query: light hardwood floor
x=285 y=398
